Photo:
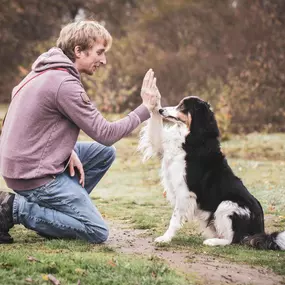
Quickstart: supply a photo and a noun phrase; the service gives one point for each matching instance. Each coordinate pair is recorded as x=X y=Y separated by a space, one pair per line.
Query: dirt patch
x=208 y=269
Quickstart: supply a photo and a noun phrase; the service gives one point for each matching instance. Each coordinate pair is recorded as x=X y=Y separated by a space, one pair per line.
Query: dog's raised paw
x=162 y=239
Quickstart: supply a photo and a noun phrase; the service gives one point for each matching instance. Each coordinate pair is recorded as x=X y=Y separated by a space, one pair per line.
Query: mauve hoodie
x=43 y=122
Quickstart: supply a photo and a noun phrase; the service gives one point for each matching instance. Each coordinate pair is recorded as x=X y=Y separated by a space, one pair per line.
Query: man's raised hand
x=149 y=91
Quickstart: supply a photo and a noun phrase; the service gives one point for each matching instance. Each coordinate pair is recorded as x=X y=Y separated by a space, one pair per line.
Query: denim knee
x=110 y=153
x=99 y=236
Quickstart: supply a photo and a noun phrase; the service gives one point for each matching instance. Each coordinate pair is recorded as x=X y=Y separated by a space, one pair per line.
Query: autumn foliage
x=229 y=52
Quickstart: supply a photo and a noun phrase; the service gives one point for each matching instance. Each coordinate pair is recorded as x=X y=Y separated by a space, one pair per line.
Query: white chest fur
x=173 y=161
x=172 y=140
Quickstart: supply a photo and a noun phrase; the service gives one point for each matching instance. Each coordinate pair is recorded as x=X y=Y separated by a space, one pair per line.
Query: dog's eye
x=181 y=107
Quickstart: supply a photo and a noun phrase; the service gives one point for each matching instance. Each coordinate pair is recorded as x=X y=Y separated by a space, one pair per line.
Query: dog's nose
x=160 y=111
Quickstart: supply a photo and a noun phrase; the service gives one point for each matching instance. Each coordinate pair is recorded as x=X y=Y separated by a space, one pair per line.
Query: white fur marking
x=207 y=231
x=216 y=241
x=280 y=240
x=150 y=143
x=223 y=222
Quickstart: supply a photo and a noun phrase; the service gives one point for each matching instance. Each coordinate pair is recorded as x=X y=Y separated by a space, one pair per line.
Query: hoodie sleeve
x=73 y=102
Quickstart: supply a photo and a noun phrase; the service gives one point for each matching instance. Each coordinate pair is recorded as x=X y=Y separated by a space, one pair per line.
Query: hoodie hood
x=55 y=58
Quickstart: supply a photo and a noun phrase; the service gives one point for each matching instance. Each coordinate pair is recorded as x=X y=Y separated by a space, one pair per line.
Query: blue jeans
x=62 y=208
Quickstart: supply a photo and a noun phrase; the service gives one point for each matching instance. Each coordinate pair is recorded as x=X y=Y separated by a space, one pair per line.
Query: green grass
x=256 y=146
x=69 y=261
x=131 y=194
x=73 y=262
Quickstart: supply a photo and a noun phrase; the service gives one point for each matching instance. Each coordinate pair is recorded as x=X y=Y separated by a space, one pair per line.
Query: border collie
x=198 y=181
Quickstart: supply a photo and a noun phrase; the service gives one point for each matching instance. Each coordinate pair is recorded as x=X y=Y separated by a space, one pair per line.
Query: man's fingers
x=146 y=79
x=82 y=176
x=149 y=92
x=71 y=169
x=154 y=83
x=150 y=80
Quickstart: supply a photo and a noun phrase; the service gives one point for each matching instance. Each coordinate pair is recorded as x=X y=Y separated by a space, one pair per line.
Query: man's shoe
x=6 y=216
x=5 y=238
x=46 y=236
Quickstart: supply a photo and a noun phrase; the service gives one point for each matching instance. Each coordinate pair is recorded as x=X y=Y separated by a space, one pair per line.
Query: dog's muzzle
x=168 y=113
x=161 y=111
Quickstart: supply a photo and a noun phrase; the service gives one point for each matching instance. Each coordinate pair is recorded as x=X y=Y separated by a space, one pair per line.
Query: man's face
x=89 y=61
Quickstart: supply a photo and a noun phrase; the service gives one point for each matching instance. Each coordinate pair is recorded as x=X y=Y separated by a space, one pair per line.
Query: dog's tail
x=274 y=241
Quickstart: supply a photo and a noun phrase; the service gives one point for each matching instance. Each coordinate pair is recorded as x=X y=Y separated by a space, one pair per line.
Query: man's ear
x=77 y=51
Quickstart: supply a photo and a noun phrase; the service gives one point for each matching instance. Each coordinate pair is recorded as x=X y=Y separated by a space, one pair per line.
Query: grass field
x=131 y=194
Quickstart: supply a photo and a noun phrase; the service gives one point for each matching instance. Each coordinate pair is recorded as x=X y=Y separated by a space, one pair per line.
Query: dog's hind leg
x=185 y=206
x=223 y=223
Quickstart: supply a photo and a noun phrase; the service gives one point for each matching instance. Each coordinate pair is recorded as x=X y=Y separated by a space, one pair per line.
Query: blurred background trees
x=229 y=52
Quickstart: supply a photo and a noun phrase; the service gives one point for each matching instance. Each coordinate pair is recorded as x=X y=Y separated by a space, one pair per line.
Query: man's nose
x=103 y=59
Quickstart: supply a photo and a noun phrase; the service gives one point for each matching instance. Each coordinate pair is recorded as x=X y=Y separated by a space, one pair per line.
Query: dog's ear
x=203 y=122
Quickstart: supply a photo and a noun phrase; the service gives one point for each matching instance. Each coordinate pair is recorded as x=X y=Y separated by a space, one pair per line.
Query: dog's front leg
x=155 y=132
x=151 y=137
x=174 y=226
x=184 y=211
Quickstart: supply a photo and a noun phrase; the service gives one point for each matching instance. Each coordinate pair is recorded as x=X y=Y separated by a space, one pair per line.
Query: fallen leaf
x=111 y=262
x=33 y=259
x=271 y=208
x=53 y=280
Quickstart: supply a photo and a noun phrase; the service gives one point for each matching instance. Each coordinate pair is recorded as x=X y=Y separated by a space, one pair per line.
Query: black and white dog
x=198 y=181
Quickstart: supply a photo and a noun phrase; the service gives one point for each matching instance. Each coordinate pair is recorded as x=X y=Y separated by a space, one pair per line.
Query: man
x=38 y=142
